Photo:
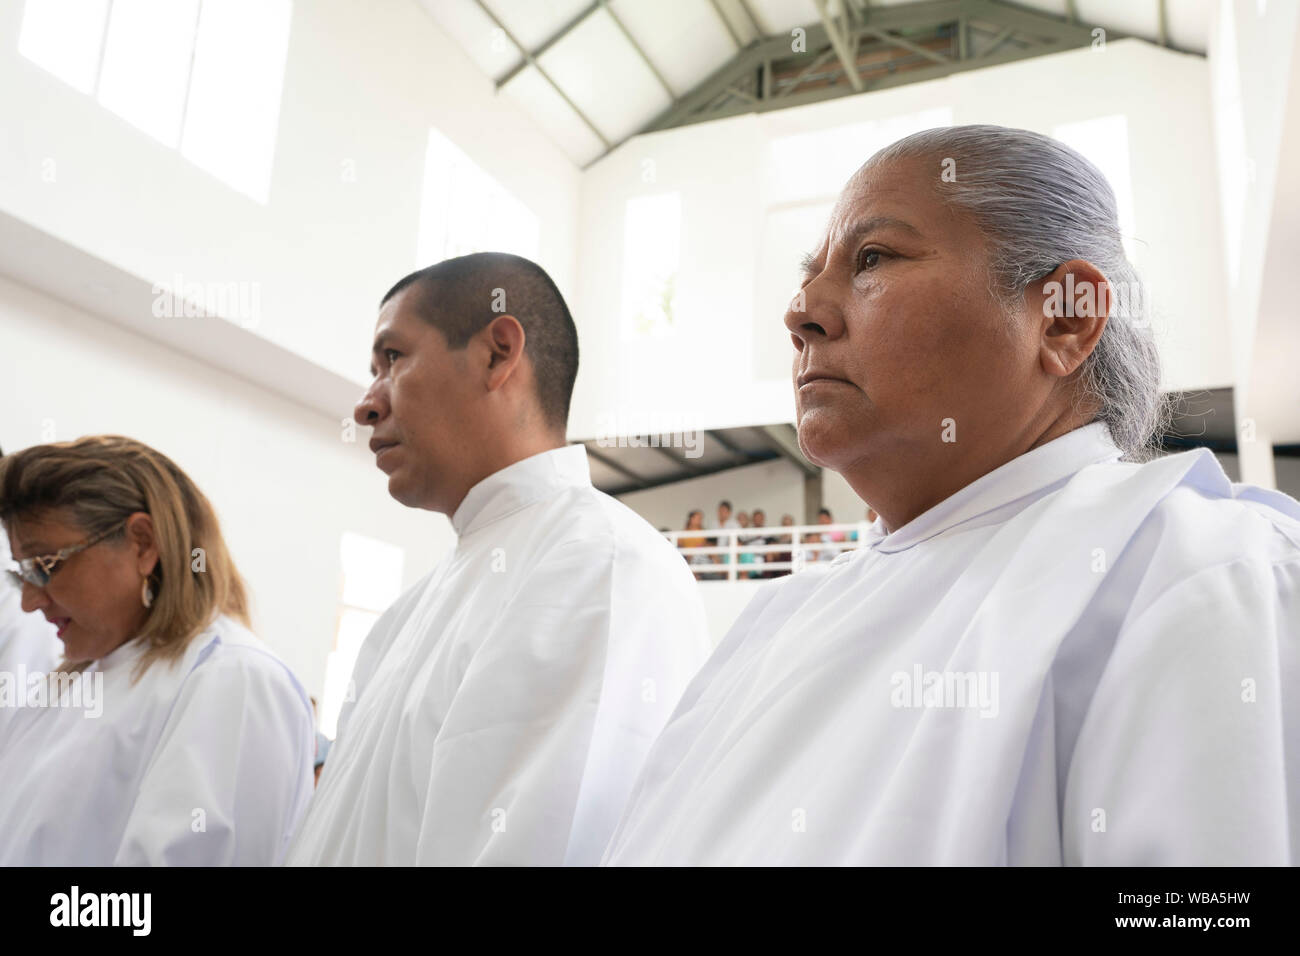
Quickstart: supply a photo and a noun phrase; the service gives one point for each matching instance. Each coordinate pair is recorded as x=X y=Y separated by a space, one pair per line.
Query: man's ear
x=1069 y=306
x=504 y=336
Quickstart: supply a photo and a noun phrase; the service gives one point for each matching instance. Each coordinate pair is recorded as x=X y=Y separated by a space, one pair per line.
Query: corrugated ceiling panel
x=1135 y=17
x=780 y=16
x=470 y=27
x=684 y=38
x=534 y=23
x=548 y=109
x=603 y=74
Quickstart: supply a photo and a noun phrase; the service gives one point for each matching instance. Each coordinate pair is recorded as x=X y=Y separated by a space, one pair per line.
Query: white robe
x=506 y=702
x=207 y=762
x=1143 y=626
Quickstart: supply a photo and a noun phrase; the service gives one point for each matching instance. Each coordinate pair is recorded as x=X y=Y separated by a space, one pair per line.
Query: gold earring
x=146 y=594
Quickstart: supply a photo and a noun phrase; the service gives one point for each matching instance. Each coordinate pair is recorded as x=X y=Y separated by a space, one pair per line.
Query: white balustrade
x=724 y=548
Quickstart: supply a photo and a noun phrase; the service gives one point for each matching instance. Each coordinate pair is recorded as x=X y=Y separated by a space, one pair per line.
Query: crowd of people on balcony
x=752 y=533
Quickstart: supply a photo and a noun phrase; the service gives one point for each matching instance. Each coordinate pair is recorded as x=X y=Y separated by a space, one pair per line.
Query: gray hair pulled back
x=1040 y=204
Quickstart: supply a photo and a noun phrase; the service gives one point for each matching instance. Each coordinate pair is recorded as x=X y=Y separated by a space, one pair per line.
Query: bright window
x=372 y=580
x=651 y=263
x=66 y=38
x=235 y=86
x=147 y=64
x=204 y=76
x=465 y=210
x=1104 y=142
x=815 y=165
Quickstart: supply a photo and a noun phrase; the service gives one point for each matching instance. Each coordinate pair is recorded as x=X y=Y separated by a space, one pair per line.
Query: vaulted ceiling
x=594 y=73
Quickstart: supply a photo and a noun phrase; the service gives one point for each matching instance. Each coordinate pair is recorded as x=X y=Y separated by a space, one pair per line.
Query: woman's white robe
x=205 y=762
x=1073 y=660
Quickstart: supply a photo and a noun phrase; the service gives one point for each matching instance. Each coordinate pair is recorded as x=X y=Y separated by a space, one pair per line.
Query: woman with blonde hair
x=171 y=735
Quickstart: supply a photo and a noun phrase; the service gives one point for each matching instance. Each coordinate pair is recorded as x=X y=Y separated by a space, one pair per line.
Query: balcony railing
x=731 y=554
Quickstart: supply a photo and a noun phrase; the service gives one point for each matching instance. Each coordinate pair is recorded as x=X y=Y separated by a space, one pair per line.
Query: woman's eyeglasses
x=38 y=570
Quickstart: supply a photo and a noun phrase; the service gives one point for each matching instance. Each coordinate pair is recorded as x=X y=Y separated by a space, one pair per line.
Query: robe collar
x=519 y=485
x=1033 y=471
x=123 y=655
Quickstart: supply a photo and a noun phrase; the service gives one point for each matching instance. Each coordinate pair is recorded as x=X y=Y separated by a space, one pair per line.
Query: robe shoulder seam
x=1196 y=575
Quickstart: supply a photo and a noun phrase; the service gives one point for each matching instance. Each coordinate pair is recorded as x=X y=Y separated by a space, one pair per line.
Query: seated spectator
x=826 y=554
x=725 y=522
x=782 y=557
x=695 y=522
x=759 y=522
x=745 y=541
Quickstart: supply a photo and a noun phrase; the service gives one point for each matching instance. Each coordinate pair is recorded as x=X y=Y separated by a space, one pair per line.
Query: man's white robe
x=202 y=763
x=1073 y=660
x=504 y=705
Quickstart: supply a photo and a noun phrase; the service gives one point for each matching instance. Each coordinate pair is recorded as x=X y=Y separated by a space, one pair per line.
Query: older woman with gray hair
x=1055 y=647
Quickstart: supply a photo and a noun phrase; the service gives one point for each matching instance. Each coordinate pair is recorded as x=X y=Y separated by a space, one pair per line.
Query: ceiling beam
x=919 y=75
x=841 y=45
x=680 y=460
x=998 y=40
x=1033 y=33
x=531 y=60
x=672 y=95
x=912 y=15
x=549 y=42
x=735 y=37
x=807 y=71
x=612 y=465
x=753 y=20
x=905 y=44
x=785 y=440
x=725 y=92
x=727 y=444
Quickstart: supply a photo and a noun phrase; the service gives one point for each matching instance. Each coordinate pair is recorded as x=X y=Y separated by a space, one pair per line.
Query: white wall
x=723 y=601
x=283 y=482
x=743 y=218
x=364 y=82
x=1256 y=101
x=844 y=504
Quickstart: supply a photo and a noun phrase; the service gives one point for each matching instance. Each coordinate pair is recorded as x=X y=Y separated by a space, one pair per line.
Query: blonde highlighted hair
x=99 y=481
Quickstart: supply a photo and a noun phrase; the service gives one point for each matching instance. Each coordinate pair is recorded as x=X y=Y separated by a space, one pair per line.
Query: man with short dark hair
x=504 y=705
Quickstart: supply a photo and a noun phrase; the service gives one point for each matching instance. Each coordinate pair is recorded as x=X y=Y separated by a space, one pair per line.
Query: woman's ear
x=142 y=538
x=1071 y=305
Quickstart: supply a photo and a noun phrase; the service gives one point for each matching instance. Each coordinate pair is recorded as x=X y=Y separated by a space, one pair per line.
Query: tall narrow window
x=372 y=580
x=1104 y=142
x=651 y=262
x=204 y=76
x=235 y=86
x=65 y=37
x=465 y=210
x=147 y=64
